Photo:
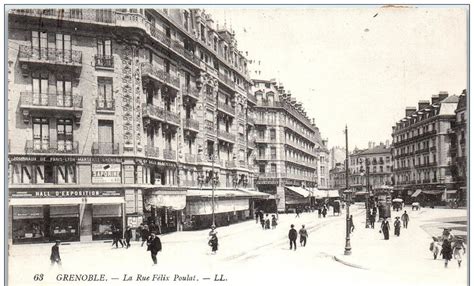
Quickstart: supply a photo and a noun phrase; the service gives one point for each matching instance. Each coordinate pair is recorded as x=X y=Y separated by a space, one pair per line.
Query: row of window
x=415 y=132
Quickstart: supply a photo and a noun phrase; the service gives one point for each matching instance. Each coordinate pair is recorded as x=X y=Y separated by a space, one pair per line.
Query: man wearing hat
x=292 y=235
x=397 y=226
x=154 y=245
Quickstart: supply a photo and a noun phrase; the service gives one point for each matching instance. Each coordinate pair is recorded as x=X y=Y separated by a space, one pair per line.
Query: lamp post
x=367 y=174
x=347 y=249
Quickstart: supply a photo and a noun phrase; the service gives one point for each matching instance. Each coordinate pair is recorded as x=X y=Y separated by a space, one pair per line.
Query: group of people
x=450 y=248
x=293 y=236
x=265 y=221
x=397 y=225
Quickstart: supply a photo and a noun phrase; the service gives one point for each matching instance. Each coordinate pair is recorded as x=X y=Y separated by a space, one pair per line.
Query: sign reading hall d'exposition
x=106 y=173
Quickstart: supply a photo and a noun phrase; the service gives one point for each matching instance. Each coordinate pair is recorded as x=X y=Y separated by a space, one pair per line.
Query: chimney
x=443 y=95
x=422 y=104
x=410 y=110
x=434 y=99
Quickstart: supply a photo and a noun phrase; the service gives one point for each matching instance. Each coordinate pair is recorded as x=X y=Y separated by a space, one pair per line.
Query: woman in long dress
x=385 y=229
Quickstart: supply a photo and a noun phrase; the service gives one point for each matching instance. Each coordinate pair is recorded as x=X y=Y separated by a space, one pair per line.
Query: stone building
x=421 y=150
x=458 y=149
x=118 y=117
x=288 y=147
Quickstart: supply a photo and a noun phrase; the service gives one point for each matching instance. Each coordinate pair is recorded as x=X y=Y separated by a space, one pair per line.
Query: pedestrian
x=325 y=211
x=405 y=219
x=55 y=257
x=303 y=235
x=435 y=247
x=396 y=226
x=262 y=220
x=457 y=247
x=128 y=236
x=372 y=220
x=145 y=234
x=213 y=241
x=292 y=235
x=274 y=222
x=374 y=211
x=138 y=232
x=319 y=212
x=116 y=236
x=351 y=224
x=267 y=222
x=447 y=235
x=154 y=246
x=257 y=216
x=446 y=252
x=385 y=228
x=297 y=211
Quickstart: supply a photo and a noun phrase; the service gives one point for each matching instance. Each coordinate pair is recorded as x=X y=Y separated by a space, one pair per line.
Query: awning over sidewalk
x=219 y=193
x=300 y=191
x=321 y=194
x=432 y=192
x=255 y=194
x=173 y=199
x=415 y=194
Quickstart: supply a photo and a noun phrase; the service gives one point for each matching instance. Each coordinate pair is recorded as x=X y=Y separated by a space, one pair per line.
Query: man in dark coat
x=292 y=235
x=397 y=226
x=351 y=224
x=385 y=229
x=154 y=245
x=325 y=211
x=145 y=234
x=446 y=252
x=128 y=236
x=55 y=257
x=405 y=219
x=117 y=236
x=372 y=220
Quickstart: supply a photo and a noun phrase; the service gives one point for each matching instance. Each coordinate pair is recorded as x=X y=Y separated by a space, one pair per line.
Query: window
x=65 y=138
x=104 y=53
x=273 y=168
x=261 y=169
x=40 y=88
x=273 y=153
x=39 y=44
x=106 y=97
x=63 y=47
x=64 y=91
x=261 y=133
x=40 y=134
x=66 y=174
x=272 y=134
x=44 y=174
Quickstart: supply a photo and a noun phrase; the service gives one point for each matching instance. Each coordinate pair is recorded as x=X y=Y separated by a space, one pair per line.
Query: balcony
x=250 y=121
x=153 y=152
x=262 y=157
x=252 y=98
x=49 y=56
x=226 y=108
x=224 y=135
x=227 y=81
x=169 y=154
x=191 y=124
x=102 y=105
x=190 y=91
x=61 y=147
x=87 y=15
x=51 y=104
x=101 y=148
x=103 y=61
x=190 y=158
x=153 y=72
x=160 y=114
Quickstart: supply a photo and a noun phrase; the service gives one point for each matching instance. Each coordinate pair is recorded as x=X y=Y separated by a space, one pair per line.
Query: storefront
x=164 y=208
x=297 y=198
x=230 y=206
x=45 y=215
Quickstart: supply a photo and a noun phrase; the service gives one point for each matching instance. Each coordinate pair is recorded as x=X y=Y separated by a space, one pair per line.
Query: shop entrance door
x=86 y=223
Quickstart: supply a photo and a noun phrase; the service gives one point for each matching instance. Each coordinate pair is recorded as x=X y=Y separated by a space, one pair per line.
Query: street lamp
x=347 y=249
x=367 y=173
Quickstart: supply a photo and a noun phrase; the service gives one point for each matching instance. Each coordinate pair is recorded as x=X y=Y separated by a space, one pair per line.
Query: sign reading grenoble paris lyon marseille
x=106 y=173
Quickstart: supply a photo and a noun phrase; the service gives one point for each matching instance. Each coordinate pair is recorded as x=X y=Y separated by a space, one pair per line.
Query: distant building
x=458 y=150
x=337 y=177
x=337 y=155
x=421 y=149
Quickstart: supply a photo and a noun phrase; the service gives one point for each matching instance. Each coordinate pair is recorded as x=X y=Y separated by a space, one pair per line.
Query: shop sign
x=155 y=162
x=23 y=158
x=65 y=193
x=106 y=173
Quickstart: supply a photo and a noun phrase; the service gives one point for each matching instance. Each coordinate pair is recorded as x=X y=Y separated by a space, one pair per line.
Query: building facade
x=337 y=155
x=288 y=147
x=337 y=177
x=459 y=134
x=118 y=117
x=421 y=150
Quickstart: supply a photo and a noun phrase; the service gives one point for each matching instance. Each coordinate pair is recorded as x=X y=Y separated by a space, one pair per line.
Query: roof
x=451 y=99
x=376 y=150
x=461 y=102
x=300 y=191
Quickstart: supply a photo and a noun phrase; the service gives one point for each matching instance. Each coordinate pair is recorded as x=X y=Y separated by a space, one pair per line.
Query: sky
x=359 y=66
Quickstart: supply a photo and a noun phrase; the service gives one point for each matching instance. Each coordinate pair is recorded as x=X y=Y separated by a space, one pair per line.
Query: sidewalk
x=407 y=257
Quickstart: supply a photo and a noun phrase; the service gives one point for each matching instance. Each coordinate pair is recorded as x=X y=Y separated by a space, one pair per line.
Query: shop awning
x=415 y=194
x=65 y=201
x=432 y=192
x=173 y=201
x=219 y=193
x=300 y=191
x=321 y=194
x=255 y=194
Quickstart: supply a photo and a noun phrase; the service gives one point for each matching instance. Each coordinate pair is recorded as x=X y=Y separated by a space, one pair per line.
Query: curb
x=349 y=263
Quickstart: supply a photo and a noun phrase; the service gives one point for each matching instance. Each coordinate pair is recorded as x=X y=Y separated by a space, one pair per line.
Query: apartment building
x=118 y=117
